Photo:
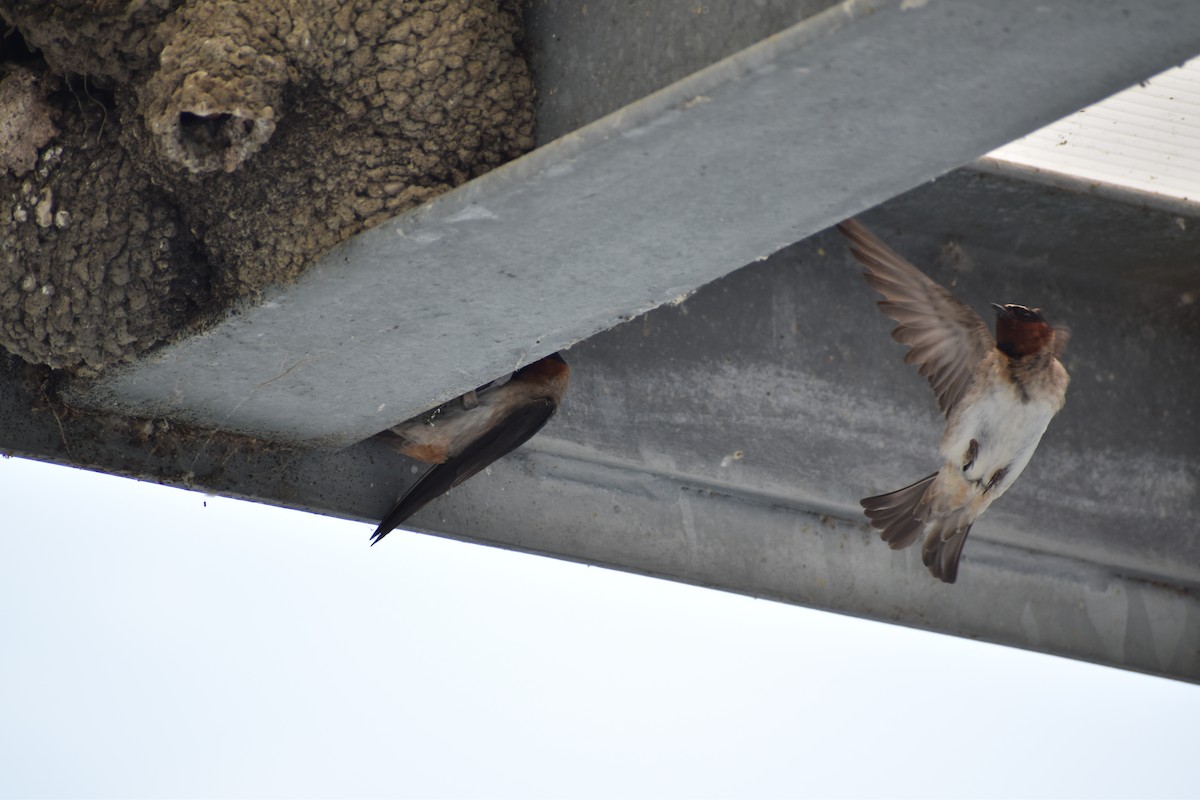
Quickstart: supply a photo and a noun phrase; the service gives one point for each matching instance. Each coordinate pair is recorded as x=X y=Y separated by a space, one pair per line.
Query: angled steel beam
x=828 y=117
x=724 y=441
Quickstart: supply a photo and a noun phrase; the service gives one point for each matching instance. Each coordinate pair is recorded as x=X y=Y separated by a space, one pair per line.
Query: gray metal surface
x=724 y=441
x=727 y=440
x=817 y=122
x=590 y=59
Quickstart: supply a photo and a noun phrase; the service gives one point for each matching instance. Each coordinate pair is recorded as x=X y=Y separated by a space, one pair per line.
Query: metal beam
x=724 y=441
x=726 y=166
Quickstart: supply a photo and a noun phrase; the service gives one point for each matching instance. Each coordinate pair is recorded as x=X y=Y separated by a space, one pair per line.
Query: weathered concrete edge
x=1006 y=594
x=531 y=500
x=1073 y=183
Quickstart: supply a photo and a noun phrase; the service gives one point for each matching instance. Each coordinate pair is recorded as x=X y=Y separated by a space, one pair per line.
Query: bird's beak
x=1001 y=311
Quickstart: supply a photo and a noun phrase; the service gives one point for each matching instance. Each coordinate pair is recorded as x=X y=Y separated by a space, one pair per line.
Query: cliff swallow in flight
x=998 y=396
x=465 y=435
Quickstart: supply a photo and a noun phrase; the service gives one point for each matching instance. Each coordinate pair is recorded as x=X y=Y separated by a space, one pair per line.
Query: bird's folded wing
x=509 y=433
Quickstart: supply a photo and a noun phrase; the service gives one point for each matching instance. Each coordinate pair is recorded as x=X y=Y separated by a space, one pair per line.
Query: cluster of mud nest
x=160 y=159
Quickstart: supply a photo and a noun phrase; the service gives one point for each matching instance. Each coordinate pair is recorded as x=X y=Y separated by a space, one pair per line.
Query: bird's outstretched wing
x=512 y=431
x=946 y=339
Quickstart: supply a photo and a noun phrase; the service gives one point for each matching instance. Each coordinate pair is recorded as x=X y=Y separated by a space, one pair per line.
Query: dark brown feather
x=943 y=549
x=898 y=514
x=511 y=432
x=946 y=338
x=1017 y=339
x=467 y=439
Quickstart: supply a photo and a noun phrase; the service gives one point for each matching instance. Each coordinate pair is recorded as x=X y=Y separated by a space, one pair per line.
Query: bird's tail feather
x=944 y=545
x=895 y=513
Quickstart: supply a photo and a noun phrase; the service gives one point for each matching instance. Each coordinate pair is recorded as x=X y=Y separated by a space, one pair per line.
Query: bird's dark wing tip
x=942 y=552
x=506 y=435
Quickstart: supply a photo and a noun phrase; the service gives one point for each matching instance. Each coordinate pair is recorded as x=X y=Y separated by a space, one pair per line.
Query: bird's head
x=551 y=371
x=1022 y=331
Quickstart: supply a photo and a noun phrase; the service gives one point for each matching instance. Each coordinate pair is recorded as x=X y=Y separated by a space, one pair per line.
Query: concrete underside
x=724 y=440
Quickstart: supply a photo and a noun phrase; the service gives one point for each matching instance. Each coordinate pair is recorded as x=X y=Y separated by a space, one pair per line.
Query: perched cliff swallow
x=462 y=437
x=998 y=396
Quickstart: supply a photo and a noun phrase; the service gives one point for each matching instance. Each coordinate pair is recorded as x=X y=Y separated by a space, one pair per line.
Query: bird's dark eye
x=1023 y=314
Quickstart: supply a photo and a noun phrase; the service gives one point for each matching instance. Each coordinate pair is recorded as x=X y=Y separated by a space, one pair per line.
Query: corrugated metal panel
x=1145 y=138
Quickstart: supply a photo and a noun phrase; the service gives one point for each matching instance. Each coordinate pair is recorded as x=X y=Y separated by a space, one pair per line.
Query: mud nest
x=161 y=159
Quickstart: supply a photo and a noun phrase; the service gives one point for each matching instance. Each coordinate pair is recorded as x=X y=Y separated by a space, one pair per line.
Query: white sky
x=159 y=643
